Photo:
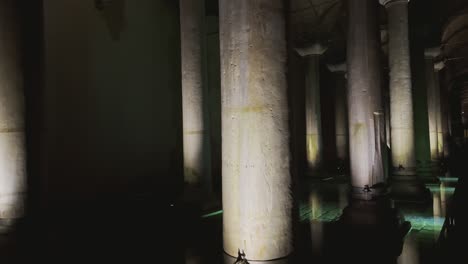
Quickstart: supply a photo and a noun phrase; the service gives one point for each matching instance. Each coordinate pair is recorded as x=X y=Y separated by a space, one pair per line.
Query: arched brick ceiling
x=319 y=21
x=326 y=21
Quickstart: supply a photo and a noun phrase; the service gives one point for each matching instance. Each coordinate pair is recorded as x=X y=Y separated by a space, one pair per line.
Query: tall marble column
x=444 y=106
x=440 y=128
x=341 y=124
x=432 y=104
x=12 y=125
x=194 y=95
x=369 y=217
x=256 y=191
x=405 y=181
x=401 y=104
x=314 y=140
x=364 y=99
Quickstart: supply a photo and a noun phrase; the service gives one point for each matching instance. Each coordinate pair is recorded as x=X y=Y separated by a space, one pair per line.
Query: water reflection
x=316 y=226
x=369 y=234
x=342 y=196
x=443 y=197
x=436 y=204
x=192 y=258
x=410 y=252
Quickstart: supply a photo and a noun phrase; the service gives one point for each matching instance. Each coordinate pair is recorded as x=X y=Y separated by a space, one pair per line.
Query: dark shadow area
x=455 y=230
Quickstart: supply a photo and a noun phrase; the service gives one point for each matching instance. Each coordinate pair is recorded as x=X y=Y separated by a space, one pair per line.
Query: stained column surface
x=364 y=92
x=341 y=131
x=194 y=92
x=440 y=128
x=401 y=104
x=12 y=143
x=444 y=105
x=256 y=191
x=314 y=138
x=432 y=107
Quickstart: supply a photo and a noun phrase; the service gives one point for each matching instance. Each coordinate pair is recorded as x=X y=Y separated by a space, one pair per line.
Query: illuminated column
x=364 y=98
x=195 y=123
x=440 y=130
x=432 y=107
x=314 y=142
x=12 y=134
x=401 y=104
x=369 y=212
x=256 y=191
x=444 y=105
x=341 y=131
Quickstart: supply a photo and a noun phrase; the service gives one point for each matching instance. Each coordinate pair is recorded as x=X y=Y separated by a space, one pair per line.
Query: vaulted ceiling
x=325 y=21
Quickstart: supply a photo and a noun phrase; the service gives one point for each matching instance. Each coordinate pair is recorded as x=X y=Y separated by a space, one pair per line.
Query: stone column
x=12 y=133
x=314 y=142
x=364 y=98
x=432 y=105
x=440 y=128
x=405 y=182
x=341 y=124
x=444 y=105
x=401 y=104
x=194 y=95
x=369 y=217
x=257 y=199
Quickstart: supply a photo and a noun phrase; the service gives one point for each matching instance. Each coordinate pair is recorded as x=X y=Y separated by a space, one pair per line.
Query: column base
x=373 y=227
x=431 y=174
x=369 y=193
x=424 y=169
x=316 y=174
x=427 y=172
x=341 y=168
x=10 y=225
x=201 y=198
x=404 y=171
x=409 y=188
x=242 y=260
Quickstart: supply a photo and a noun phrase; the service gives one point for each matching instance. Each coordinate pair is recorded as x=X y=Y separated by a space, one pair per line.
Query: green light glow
x=420 y=222
x=212 y=214
x=328 y=212
x=448 y=179
x=436 y=189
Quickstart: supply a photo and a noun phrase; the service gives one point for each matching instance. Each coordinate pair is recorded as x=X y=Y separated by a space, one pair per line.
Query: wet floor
x=131 y=231
x=319 y=232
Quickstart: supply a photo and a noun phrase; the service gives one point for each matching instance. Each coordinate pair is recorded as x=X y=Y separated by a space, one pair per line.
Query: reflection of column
x=436 y=204
x=12 y=144
x=401 y=104
x=314 y=142
x=437 y=210
x=256 y=192
x=342 y=195
x=195 y=123
x=341 y=126
x=316 y=226
x=443 y=199
x=410 y=251
x=364 y=94
x=432 y=105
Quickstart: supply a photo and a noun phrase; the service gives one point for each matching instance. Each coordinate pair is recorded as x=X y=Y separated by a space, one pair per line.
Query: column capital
x=388 y=3
x=313 y=49
x=432 y=52
x=339 y=67
x=439 y=65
